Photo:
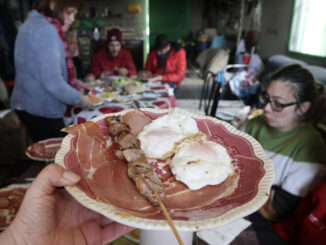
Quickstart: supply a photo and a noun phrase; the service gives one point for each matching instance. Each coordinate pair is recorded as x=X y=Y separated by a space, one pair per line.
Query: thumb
x=51 y=177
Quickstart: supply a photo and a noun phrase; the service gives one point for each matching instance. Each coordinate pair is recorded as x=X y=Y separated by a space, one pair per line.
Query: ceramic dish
x=240 y=195
x=44 y=150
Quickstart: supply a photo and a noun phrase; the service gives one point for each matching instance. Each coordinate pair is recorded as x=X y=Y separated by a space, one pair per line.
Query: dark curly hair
x=305 y=88
x=59 y=6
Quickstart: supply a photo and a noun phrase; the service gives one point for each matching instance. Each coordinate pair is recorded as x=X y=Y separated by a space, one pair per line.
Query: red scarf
x=70 y=64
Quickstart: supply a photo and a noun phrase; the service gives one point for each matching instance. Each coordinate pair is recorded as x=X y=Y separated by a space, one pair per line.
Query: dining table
x=110 y=97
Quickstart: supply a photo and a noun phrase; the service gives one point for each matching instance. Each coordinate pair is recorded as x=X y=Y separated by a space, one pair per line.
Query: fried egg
x=159 y=138
x=198 y=163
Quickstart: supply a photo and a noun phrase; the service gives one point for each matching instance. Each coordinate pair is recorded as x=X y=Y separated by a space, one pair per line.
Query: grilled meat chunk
x=139 y=169
x=115 y=126
x=128 y=141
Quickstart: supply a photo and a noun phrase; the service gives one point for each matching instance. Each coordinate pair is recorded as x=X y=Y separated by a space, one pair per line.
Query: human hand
x=105 y=75
x=51 y=216
x=145 y=74
x=90 y=78
x=155 y=78
x=122 y=71
x=267 y=210
x=81 y=84
x=85 y=103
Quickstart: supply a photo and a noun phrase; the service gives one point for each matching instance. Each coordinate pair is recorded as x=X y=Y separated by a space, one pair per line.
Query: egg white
x=198 y=163
x=158 y=139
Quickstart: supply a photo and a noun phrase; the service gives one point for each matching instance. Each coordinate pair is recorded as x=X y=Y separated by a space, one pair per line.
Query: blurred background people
x=167 y=62
x=8 y=32
x=72 y=41
x=293 y=105
x=45 y=81
x=113 y=59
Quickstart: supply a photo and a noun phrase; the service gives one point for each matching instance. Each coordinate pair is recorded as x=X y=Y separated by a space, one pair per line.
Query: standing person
x=294 y=104
x=45 y=80
x=72 y=41
x=112 y=59
x=167 y=62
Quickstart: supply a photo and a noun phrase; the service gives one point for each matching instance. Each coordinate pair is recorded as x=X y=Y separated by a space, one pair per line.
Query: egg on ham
x=198 y=163
x=159 y=138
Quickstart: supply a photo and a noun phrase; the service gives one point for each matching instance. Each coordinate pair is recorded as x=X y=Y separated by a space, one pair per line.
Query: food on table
x=121 y=82
x=159 y=138
x=94 y=100
x=10 y=200
x=124 y=93
x=135 y=87
x=199 y=162
x=139 y=169
x=107 y=95
x=110 y=109
x=44 y=150
x=95 y=83
x=39 y=148
x=109 y=89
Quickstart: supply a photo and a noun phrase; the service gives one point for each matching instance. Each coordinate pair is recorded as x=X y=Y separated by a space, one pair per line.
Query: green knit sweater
x=299 y=155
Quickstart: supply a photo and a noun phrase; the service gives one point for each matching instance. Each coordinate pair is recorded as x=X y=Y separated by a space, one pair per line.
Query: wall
x=275 y=29
x=170 y=17
x=196 y=19
x=119 y=15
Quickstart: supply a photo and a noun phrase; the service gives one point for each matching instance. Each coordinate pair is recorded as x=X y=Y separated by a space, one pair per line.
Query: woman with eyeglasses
x=293 y=105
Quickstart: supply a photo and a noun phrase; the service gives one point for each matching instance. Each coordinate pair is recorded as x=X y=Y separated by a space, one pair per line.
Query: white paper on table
x=225 y=234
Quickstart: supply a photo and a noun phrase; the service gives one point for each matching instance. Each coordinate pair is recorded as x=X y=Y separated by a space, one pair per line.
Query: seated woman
x=293 y=104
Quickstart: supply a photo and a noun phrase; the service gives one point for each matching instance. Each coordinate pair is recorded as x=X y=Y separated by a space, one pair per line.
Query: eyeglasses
x=276 y=106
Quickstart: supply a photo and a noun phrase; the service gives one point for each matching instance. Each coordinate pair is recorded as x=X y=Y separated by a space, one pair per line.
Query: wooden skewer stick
x=167 y=216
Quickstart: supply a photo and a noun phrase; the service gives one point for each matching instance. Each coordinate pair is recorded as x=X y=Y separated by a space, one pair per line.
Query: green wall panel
x=171 y=17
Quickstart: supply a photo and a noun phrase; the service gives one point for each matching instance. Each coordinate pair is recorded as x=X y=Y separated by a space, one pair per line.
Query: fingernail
x=70 y=176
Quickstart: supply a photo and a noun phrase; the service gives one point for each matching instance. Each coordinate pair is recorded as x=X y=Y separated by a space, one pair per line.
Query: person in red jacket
x=112 y=59
x=167 y=62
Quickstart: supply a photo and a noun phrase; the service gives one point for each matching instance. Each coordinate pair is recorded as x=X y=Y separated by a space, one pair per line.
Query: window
x=308 y=28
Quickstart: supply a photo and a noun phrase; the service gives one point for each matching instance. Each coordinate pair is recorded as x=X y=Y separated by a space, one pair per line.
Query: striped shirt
x=299 y=155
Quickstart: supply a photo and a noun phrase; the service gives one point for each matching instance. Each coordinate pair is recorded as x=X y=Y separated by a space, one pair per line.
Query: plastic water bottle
x=96 y=34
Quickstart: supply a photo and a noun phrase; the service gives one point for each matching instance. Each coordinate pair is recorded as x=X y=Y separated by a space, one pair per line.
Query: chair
x=216 y=87
x=210 y=93
x=216 y=61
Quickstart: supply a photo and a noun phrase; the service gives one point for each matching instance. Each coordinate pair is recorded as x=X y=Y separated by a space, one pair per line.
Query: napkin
x=225 y=234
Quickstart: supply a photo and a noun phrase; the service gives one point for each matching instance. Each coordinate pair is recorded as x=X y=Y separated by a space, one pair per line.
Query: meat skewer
x=139 y=169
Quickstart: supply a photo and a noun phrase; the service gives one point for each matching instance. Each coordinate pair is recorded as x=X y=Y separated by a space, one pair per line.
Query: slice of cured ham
x=10 y=201
x=105 y=173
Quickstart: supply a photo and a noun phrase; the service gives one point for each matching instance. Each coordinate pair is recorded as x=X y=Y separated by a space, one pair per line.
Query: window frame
x=290 y=37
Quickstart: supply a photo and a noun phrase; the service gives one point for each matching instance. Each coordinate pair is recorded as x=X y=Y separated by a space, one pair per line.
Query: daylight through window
x=308 y=28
